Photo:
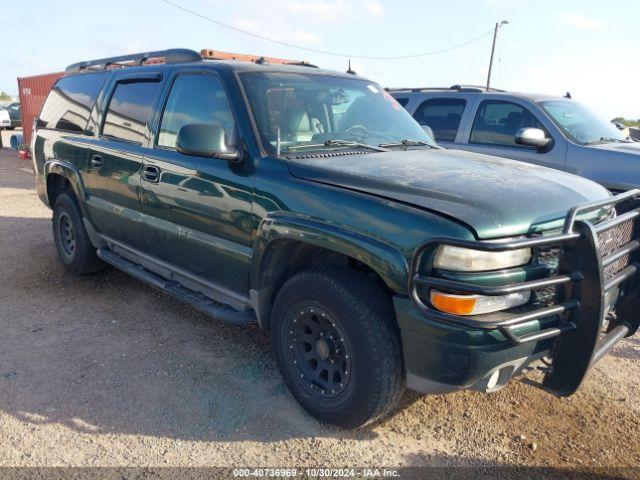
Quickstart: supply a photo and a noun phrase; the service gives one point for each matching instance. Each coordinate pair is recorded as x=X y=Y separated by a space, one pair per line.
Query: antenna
x=349 y=71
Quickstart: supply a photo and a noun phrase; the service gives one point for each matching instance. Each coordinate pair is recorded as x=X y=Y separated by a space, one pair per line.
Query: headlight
x=460 y=259
x=476 y=304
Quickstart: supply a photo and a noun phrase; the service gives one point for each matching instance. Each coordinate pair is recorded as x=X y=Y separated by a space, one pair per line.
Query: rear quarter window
x=130 y=109
x=70 y=101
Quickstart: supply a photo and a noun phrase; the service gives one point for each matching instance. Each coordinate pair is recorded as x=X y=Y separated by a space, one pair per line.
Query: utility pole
x=493 y=49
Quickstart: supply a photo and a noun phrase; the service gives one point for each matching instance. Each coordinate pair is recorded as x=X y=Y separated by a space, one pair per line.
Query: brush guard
x=596 y=262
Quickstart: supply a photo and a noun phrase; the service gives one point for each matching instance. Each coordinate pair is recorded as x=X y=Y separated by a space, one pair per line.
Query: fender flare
x=72 y=174
x=386 y=261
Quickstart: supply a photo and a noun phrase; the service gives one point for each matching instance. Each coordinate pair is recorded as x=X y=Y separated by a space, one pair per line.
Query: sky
x=586 y=47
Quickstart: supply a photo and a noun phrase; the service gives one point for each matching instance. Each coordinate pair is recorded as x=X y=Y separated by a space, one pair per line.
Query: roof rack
x=457 y=87
x=414 y=89
x=474 y=88
x=208 y=54
x=175 y=55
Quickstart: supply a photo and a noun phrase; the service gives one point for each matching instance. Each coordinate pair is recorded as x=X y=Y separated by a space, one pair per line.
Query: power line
x=326 y=52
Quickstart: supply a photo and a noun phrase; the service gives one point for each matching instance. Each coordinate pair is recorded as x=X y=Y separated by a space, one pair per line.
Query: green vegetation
x=5 y=97
x=628 y=123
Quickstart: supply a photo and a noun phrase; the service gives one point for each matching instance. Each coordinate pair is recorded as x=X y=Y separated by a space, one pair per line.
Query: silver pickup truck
x=556 y=132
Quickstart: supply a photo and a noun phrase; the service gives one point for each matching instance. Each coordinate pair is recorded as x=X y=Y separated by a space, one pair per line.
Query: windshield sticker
x=393 y=101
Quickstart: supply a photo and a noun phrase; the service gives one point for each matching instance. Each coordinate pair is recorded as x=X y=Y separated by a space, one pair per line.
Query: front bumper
x=445 y=352
x=441 y=358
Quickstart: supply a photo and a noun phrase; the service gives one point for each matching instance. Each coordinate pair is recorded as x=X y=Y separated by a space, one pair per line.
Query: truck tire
x=337 y=346
x=74 y=248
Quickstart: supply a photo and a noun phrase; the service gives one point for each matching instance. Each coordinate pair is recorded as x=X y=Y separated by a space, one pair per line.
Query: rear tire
x=323 y=315
x=74 y=248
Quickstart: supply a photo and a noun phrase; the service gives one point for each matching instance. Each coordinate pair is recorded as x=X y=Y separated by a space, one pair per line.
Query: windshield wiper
x=607 y=140
x=336 y=143
x=407 y=143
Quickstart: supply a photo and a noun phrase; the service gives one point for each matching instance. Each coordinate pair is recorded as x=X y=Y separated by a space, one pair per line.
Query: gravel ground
x=104 y=371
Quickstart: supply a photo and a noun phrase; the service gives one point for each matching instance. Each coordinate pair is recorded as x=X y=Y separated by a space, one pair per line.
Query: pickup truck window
x=195 y=99
x=311 y=112
x=498 y=121
x=443 y=115
x=130 y=109
x=70 y=102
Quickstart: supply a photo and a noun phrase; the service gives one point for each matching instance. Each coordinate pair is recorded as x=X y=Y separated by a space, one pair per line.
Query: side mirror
x=427 y=129
x=205 y=140
x=532 y=137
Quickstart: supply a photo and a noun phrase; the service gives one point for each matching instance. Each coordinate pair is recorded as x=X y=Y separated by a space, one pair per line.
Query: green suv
x=311 y=202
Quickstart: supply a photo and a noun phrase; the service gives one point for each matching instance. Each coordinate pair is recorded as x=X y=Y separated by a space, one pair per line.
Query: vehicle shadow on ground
x=104 y=353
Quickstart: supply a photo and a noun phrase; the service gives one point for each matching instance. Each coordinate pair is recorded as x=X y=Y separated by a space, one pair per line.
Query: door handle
x=151 y=173
x=96 y=161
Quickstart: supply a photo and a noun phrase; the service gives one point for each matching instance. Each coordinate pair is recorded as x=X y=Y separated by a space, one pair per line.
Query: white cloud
x=323 y=8
x=267 y=28
x=303 y=36
x=245 y=23
x=506 y=3
x=582 y=22
x=333 y=10
x=374 y=8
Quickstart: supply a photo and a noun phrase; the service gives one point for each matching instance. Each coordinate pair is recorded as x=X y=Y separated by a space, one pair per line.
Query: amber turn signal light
x=455 y=304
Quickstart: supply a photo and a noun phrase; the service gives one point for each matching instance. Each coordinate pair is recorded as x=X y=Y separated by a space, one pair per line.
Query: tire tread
x=85 y=261
x=375 y=316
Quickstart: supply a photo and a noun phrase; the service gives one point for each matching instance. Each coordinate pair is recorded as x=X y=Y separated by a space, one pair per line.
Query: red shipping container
x=33 y=92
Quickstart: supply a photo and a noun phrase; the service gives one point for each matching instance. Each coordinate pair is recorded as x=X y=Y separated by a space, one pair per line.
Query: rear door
x=198 y=209
x=112 y=178
x=493 y=131
x=444 y=116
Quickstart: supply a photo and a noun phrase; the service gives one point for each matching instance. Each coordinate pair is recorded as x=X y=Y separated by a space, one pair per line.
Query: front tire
x=337 y=346
x=74 y=248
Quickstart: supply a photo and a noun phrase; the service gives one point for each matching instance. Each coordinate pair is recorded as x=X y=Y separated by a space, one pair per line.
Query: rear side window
x=130 y=109
x=70 y=102
x=497 y=122
x=443 y=115
x=195 y=99
x=402 y=101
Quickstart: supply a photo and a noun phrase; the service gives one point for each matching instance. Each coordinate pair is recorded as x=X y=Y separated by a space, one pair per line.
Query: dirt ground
x=104 y=371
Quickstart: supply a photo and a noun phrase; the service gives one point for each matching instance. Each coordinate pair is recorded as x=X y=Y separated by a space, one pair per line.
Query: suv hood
x=496 y=197
x=632 y=147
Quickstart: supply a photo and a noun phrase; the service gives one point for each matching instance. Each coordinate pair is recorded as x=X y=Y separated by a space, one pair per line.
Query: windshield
x=321 y=112
x=580 y=124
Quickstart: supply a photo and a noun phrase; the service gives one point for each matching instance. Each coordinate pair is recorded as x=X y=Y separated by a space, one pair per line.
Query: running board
x=203 y=303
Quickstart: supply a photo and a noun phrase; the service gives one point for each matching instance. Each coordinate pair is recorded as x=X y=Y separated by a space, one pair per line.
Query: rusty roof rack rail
x=175 y=55
x=209 y=54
